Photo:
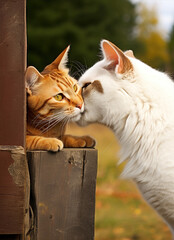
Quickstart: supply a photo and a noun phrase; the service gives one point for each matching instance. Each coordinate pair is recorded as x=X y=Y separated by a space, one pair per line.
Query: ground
x=121 y=213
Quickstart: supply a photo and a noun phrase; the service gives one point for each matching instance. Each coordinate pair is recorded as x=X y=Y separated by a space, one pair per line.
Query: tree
x=153 y=46
x=171 y=49
x=54 y=25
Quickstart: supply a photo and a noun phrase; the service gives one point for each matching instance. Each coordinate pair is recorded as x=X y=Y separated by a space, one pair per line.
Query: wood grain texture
x=13 y=167
x=11 y=199
x=63 y=194
x=12 y=70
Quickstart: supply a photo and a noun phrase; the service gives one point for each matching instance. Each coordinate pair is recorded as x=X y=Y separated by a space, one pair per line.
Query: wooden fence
x=62 y=200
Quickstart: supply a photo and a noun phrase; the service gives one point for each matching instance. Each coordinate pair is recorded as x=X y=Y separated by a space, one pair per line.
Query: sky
x=165 y=11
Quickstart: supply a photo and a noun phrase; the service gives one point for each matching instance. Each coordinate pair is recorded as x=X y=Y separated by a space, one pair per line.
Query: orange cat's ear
x=31 y=77
x=60 y=62
x=116 y=59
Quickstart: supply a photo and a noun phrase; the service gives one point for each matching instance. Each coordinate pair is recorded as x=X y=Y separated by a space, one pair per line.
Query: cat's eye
x=59 y=97
x=86 y=85
x=75 y=88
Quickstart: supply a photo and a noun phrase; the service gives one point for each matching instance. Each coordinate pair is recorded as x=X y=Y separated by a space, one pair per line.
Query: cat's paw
x=85 y=141
x=78 y=142
x=52 y=144
x=89 y=141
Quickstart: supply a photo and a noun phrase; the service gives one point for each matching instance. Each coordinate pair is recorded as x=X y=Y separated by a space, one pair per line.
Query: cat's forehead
x=61 y=79
x=91 y=74
x=61 y=75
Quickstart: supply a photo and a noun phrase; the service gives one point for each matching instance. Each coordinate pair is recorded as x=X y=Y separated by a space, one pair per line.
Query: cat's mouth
x=76 y=115
x=83 y=112
x=82 y=118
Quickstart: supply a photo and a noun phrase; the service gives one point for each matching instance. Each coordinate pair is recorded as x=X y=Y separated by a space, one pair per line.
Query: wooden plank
x=13 y=165
x=14 y=191
x=11 y=199
x=63 y=194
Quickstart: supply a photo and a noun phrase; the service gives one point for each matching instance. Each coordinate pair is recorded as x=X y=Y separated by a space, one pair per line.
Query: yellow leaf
x=137 y=211
x=118 y=230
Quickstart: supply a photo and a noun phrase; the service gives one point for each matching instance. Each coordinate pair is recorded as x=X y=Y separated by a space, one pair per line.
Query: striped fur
x=47 y=117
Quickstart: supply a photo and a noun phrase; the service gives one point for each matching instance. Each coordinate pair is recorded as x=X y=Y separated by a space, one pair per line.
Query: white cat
x=137 y=103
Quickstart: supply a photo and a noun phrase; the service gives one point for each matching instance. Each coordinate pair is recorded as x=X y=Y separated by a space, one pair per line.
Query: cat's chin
x=75 y=118
x=81 y=122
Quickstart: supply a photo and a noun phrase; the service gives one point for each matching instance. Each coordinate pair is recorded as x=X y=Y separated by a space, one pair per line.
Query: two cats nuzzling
x=123 y=93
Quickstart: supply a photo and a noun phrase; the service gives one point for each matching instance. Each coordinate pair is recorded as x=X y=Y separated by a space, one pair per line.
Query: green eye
x=58 y=97
x=75 y=88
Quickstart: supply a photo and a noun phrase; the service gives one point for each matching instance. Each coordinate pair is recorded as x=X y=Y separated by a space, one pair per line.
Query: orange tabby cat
x=53 y=98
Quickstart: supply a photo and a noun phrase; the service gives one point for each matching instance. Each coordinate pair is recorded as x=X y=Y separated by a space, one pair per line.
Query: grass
x=121 y=213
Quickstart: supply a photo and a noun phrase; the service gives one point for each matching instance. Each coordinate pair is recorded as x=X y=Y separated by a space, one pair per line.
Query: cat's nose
x=79 y=106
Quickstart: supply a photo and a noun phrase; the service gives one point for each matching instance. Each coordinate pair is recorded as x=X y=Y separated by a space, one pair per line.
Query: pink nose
x=79 y=106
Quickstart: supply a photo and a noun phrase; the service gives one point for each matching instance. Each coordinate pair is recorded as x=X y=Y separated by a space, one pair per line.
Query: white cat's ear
x=31 y=77
x=129 y=53
x=116 y=59
x=60 y=62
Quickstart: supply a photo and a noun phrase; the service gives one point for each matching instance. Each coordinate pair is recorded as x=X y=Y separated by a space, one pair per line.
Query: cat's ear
x=31 y=77
x=116 y=59
x=129 y=53
x=60 y=62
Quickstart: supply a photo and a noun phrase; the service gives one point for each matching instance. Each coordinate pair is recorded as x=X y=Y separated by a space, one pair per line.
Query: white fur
x=139 y=108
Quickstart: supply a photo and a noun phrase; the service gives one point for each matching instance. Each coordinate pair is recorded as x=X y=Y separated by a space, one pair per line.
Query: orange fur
x=46 y=116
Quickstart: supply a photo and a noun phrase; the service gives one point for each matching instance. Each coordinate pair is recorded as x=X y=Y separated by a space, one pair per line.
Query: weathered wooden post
x=63 y=183
x=63 y=194
x=13 y=165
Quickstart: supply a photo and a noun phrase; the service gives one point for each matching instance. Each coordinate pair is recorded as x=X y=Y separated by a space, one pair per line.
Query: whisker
x=47 y=120
x=85 y=66
x=49 y=125
x=53 y=123
x=46 y=123
x=80 y=68
x=35 y=119
x=64 y=122
x=79 y=65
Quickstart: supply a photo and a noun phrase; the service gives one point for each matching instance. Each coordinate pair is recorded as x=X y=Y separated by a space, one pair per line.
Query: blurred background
x=146 y=27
